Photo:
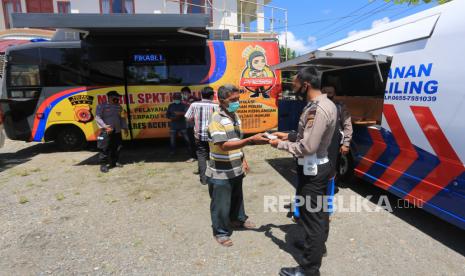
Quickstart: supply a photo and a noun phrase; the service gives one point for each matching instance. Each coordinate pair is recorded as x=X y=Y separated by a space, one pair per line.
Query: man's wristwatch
x=250 y=142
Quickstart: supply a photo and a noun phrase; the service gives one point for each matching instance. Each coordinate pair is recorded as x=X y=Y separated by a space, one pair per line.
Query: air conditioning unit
x=218 y=34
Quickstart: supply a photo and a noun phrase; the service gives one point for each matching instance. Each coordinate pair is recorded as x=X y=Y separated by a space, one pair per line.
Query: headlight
x=17 y=94
x=30 y=93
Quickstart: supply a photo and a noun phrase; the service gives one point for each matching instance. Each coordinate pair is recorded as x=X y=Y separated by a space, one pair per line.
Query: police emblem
x=82 y=107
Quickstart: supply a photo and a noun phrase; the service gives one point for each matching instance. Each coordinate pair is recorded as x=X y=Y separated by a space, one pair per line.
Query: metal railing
x=272 y=18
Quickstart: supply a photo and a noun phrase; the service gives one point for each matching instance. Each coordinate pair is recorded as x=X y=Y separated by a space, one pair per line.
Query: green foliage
x=290 y=53
x=415 y=2
x=286 y=76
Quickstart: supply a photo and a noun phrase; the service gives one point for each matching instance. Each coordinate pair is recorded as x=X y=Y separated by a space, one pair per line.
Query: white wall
x=220 y=19
x=2 y=18
x=85 y=6
x=148 y=6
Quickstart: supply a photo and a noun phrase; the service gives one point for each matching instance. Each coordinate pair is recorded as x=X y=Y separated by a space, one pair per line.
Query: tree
x=290 y=53
x=286 y=76
x=415 y=2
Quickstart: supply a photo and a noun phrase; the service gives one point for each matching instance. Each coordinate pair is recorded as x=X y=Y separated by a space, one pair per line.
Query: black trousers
x=316 y=220
x=110 y=153
x=190 y=134
x=203 y=154
x=227 y=204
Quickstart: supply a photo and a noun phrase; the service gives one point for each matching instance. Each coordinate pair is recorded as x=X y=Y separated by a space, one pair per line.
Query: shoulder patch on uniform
x=310 y=117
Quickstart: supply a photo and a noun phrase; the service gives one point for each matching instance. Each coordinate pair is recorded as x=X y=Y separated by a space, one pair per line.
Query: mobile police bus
x=51 y=89
x=403 y=84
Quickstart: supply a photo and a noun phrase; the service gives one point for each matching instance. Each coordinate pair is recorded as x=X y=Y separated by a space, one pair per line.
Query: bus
x=403 y=88
x=51 y=89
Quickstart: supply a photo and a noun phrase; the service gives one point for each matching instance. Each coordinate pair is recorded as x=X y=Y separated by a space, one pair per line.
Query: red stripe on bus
x=45 y=104
x=407 y=155
x=373 y=154
x=450 y=165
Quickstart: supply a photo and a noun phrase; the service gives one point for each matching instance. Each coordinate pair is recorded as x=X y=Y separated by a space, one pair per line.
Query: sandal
x=224 y=241
x=243 y=224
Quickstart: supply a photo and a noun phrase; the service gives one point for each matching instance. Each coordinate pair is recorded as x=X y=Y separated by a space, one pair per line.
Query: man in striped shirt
x=227 y=165
x=199 y=113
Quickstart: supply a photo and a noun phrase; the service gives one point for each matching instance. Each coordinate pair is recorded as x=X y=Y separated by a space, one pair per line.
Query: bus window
x=24 y=56
x=106 y=73
x=148 y=74
x=23 y=75
x=172 y=65
x=63 y=67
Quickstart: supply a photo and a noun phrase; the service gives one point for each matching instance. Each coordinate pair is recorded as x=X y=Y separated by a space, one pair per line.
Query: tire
x=346 y=169
x=70 y=139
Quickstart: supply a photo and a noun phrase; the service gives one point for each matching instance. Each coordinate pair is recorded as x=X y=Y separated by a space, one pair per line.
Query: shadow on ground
x=11 y=159
x=293 y=233
x=152 y=150
x=438 y=229
x=148 y=151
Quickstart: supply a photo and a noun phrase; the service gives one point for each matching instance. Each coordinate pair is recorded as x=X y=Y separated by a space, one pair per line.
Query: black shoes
x=104 y=168
x=116 y=165
x=292 y=271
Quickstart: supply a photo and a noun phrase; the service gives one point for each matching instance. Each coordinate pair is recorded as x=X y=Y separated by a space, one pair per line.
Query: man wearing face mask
x=110 y=119
x=227 y=166
x=176 y=111
x=310 y=146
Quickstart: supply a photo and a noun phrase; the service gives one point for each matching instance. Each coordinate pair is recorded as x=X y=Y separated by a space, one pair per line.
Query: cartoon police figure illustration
x=257 y=77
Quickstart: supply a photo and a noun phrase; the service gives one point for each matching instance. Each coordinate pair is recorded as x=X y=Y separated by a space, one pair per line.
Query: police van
x=403 y=84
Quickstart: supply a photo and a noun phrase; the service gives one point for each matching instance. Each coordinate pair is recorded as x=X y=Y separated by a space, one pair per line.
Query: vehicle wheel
x=345 y=169
x=71 y=138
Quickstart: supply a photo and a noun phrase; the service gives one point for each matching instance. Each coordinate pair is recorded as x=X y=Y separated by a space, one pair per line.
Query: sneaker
x=190 y=160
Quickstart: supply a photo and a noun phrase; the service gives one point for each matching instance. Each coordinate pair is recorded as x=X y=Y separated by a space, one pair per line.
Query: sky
x=304 y=34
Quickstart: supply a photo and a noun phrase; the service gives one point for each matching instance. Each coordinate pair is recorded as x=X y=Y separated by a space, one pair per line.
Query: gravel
x=61 y=216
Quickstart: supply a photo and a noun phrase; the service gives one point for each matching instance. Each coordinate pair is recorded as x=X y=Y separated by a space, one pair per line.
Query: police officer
x=111 y=121
x=310 y=145
x=344 y=121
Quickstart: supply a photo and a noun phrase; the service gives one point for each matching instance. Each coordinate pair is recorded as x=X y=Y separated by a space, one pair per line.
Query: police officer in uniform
x=110 y=119
x=310 y=145
x=342 y=137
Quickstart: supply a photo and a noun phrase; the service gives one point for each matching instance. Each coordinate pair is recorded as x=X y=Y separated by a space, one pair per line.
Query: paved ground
x=60 y=216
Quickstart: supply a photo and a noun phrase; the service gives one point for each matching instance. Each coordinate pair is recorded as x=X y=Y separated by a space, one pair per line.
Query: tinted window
x=26 y=56
x=24 y=75
x=106 y=73
x=174 y=65
x=64 y=67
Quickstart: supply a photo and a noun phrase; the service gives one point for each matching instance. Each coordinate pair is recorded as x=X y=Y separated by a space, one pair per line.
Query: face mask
x=177 y=101
x=233 y=107
x=115 y=100
x=301 y=93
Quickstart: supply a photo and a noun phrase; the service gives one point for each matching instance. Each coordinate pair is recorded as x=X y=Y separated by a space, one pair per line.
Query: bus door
x=21 y=90
x=105 y=66
x=148 y=93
